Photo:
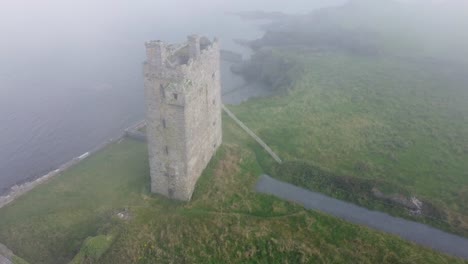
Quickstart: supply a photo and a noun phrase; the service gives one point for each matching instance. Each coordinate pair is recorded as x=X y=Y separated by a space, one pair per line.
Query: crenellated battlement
x=156 y=53
x=159 y=54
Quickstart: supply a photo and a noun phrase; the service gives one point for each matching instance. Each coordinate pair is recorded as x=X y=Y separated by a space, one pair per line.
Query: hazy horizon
x=70 y=71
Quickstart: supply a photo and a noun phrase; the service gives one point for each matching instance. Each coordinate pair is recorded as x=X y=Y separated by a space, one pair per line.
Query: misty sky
x=54 y=31
x=46 y=21
x=71 y=32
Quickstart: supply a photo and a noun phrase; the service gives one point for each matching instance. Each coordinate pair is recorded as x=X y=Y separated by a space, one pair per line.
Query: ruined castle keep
x=183 y=112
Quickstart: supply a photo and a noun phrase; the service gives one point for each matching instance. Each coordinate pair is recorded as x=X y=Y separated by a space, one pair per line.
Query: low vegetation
x=76 y=217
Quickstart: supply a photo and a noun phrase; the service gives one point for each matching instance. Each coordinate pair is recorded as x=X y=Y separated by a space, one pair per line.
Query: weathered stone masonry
x=183 y=106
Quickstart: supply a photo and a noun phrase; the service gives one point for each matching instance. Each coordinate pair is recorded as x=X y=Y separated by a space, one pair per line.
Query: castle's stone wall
x=183 y=103
x=203 y=112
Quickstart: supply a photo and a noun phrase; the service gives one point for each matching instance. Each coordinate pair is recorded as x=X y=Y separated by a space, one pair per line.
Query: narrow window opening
x=170 y=192
x=167 y=150
x=175 y=96
x=214 y=101
x=161 y=90
x=214 y=75
x=164 y=123
x=214 y=123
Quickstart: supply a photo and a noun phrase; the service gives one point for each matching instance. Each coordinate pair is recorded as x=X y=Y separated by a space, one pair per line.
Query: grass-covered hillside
x=372 y=105
x=352 y=126
x=75 y=217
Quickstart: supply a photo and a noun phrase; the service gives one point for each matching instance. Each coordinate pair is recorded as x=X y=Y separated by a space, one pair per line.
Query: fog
x=46 y=35
x=52 y=33
x=70 y=71
x=361 y=104
x=50 y=24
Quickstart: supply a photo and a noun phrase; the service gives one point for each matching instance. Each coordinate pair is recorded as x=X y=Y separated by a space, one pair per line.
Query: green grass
x=226 y=222
x=49 y=224
x=374 y=118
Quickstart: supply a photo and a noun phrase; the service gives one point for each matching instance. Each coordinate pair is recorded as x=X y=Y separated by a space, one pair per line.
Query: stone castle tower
x=183 y=113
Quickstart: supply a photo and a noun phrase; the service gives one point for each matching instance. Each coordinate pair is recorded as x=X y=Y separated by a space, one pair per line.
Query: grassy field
x=49 y=224
x=390 y=122
x=74 y=216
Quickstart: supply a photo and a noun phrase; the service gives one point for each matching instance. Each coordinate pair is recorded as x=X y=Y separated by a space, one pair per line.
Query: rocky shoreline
x=19 y=189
